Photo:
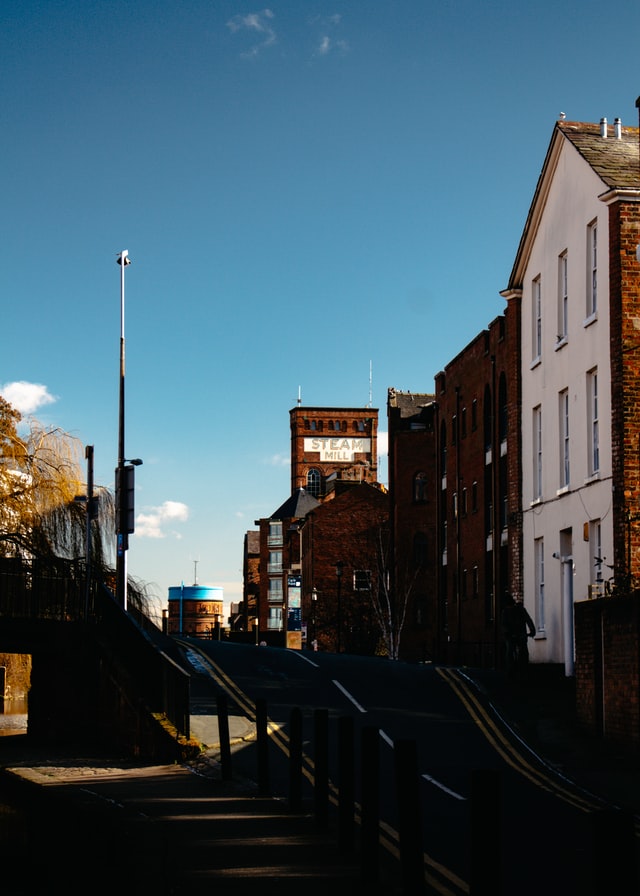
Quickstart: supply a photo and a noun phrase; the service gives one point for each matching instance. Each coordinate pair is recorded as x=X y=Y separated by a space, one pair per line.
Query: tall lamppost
x=125 y=469
x=314 y=605
x=339 y=566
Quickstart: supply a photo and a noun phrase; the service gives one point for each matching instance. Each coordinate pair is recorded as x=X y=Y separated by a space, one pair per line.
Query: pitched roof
x=409 y=403
x=614 y=159
x=296 y=507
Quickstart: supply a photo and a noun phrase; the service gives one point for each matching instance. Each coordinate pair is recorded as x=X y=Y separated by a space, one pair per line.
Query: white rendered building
x=572 y=272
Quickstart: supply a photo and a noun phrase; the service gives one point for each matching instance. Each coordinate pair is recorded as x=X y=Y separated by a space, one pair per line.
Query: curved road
x=543 y=836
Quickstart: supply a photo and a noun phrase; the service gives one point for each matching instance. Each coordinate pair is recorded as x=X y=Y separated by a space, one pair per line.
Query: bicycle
x=622 y=584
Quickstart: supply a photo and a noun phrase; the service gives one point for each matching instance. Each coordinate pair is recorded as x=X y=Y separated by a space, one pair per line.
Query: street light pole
x=122 y=538
x=339 y=566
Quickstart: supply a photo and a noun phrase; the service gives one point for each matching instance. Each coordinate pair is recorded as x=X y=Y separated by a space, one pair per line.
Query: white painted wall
x=559 y=517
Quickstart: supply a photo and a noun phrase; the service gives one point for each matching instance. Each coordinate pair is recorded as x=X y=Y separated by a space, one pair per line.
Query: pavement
x=178 y=829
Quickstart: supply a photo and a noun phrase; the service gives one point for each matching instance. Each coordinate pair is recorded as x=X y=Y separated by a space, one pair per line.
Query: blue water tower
x=196 y=610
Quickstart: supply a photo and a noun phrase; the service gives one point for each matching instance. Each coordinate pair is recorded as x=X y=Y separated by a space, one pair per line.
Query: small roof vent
x=617 y=129
x=603 y=127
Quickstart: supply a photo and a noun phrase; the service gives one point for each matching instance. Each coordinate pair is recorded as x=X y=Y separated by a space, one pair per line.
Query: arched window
x=420 y=487
x=314 y=480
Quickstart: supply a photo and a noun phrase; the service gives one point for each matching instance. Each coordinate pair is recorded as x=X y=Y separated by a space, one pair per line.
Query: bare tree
x=391 y=597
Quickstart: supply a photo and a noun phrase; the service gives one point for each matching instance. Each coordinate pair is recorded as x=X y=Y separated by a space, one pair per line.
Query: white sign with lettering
x=337 y=449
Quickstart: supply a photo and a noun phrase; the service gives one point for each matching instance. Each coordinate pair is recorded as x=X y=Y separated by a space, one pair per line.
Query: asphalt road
x=480 y=791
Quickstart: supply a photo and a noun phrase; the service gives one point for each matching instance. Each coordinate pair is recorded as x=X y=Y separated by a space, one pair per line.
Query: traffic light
x=125 y=487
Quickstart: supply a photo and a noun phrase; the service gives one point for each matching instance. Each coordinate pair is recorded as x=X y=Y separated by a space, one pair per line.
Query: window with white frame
x=362 y=580
x=592 y=268
x=593 y=436
x=275 y=532
x=275 y=591
x=536 y=310
x=563 y=407
x=274 y=619
x=537 y=453
x=275 y=562
x=563 y=297
x=538 y=555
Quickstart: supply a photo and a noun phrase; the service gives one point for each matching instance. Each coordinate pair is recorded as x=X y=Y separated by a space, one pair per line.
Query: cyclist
x=517 y=625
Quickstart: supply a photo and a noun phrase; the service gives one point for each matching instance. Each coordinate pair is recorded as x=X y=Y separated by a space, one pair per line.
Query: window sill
x=590 y=320
x=562 y=341
x=563 y=491
x=535 y=362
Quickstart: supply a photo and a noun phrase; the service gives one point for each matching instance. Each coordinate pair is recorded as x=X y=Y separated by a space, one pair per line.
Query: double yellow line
x=507 y=748
x=439 y=878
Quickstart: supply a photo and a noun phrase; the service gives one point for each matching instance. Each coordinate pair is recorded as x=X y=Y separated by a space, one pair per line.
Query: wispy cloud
x=256 y=23
x=27 y=397
x=327 y=43
x=278 y=460
x=155 y=523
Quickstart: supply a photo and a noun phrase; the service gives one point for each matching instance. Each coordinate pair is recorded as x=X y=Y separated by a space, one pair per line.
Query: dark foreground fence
x=614 y=861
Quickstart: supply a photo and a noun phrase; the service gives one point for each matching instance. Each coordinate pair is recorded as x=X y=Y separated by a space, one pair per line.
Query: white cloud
x=27 y=397
x=153 y=523
x=279 y=460
x=258 y=23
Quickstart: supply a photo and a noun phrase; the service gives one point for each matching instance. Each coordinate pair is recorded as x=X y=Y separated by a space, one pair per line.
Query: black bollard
x=370 y=802
x=321 y=767
x=295 y=759
x=409 y=816
x=486 y=859
x=346 y=787
x=223 y=734
x=262 y=735
x=614 y=852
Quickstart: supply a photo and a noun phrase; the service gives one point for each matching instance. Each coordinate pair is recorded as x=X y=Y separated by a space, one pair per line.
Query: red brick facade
x=607 y=668
x=624 y=270
x=332 y=442
x=466 y=441
x=351 y=530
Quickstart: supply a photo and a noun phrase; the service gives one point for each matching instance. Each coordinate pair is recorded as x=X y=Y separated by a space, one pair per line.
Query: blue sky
x=319 y=199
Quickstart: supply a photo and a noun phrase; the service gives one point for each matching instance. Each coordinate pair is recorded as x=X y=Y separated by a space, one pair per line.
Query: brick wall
x=607 y=668
x=624 y=236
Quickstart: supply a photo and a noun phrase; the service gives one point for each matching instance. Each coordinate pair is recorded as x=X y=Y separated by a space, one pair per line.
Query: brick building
x=250 y=581
x=478 y=480
x=454 y=488
x=333 y=450
x=413 y=494
x=330 y=443
x=344 y=549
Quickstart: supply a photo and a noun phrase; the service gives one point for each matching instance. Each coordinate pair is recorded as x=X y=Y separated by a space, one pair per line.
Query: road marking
x=385 y=737
x=456 y=796
x=304 y=657
x=516 y=757
x=348 y=696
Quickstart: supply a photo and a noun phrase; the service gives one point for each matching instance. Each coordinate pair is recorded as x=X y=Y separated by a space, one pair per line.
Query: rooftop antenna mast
x=370 y=384
x=195 y=572
x=299 y=396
